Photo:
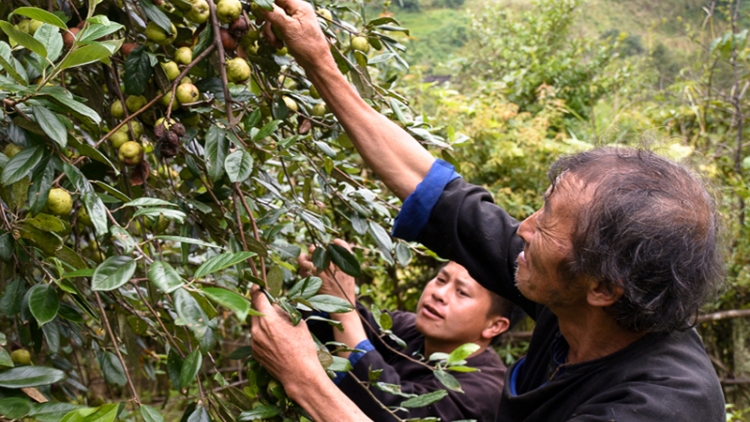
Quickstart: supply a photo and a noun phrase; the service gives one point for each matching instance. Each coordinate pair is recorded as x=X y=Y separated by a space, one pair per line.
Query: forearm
x=317 y=389
x=354 y=331
x=395 y=156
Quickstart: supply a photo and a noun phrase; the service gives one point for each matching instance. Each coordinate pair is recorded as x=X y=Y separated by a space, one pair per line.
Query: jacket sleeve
x=473 y=404
x=460 y=222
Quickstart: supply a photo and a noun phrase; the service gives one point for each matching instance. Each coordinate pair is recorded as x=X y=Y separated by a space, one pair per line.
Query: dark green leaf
x=10 y=304
x=386 y=322
x=52 y=335
x=164 y=277
x=5 y=360
x=41 y=183
x=51 y=125
x=148 y=202
x=30 y=376
x=113 y=273
x=23 y=39
x=199 y=415
x=138 y=71
x=190 y=367
x=321 y=259
x=87 y=54
x=40 y=15
x=241 y=353
x=51 y=411
x=43 y=303
x=50 y=37
x=150 y=414
x=96 y=210
x=89 y=151
x=156 y=15
x=21 y=165
x=344 y=260
x=219 y=262
x=260 y=412
x=265 y=4
x=238 y=166
x=305 y=288
x=64 y=98
x=14 y=407
x=328 y=303
x=403 y=254
x=216 y=152
x=112 y=369
x=6 y=246
x=205 y=39
x=174 y=367
x=190 y=313
x=266 y=130
x=424 y=399
x=448 y=380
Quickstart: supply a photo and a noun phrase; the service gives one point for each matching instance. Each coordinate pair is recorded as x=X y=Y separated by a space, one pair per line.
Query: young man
x=453 y=310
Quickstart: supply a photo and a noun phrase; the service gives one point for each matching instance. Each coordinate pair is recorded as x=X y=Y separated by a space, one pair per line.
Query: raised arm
x=397 y=158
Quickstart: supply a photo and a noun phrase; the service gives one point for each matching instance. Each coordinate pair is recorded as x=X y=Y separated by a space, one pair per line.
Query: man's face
x=453 y=308
x=548 y=233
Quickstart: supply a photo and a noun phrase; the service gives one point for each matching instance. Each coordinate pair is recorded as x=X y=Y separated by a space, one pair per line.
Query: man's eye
x=462 y=293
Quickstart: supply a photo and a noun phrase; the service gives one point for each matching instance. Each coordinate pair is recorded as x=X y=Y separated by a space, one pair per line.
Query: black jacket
x=661 y=377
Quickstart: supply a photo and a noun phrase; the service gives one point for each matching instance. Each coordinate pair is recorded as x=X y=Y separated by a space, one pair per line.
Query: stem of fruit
x=222 y=66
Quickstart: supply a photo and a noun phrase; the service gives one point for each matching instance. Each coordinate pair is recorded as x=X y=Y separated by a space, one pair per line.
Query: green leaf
x=40 y=15
x=103 y=413
x=148 y=202
x=238 y=165
x=150 y=414
x=86 y=272
x=189 y=240
x=174 y=366
x=51 y=125
x=241 y=353
x=23 y=39
x=448 y=380
x=328 y=303
x=43 y=303
x=30 y=376
x=90 y=53
x=164 y=277
x=190 y=313
x=235 y=302
x=89 y=151
x=344 y=260
x=190 y=368
x=403 y=254
x=219 y=262
x=5 y=360
x=41 y=183
x=462 y=352
x=156 y=212
x=52 y=335
x=51 y=411
x=64 y=98
x=156 y=15
x=123 y=239
x=10 y=304
x=424 y=399
x=260 y=412
x=275 y=280
x=50 y=37
x=21 y=165
x=305 y=288
x=216 y=152
x=96 y=210
x=112 y=369
x=199 y=415
x=138 y=71
x=6 y=246
x=96 y=31
x=267 y=129
x=14 y=407
x=113 y=273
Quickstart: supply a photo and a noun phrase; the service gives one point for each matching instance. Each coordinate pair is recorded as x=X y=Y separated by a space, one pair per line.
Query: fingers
x=260 y=301
x=342 y=243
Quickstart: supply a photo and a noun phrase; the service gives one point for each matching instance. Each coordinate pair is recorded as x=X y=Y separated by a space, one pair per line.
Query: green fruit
x=228 y=10
x=199 y=13
x=325 y=14
x=167 y=124
x=283 y=51
x=158 y=35
x=290 y=104
x=314 y=92
x=34 y=25
x=238 y=70
x=130 y=153
x=21 y=357
x=25 y=25
x=59 y=202
x=319 y=110
x=191 y=120
x=164 y=100
x=117 y=110
x=186 y=80
x=360 y=44
x=11 y=150
x=120 y=137
x=250 y=37
x=135 y=102
x=136 y=126
x=183 y=55
x=84 y=217
x=187 y=93
x=171 y=69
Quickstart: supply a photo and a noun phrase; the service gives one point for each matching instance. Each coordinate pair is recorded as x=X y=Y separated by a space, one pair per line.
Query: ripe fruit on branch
x=69 y=38
x=239 y=27
x=59 y=202
x=228 y=10
x=164 y=100
x=227 y=40
x=314 y=92
x=21 y=357
x=199 y=13
x=120 y=137
x=158 y=35
x=187 y=93
x=171 y=69
x=325 y=14
x=34 y=25
x=135 y=102
x=360 y=44
x=183 y=55
x=126 y=48
x=11 y=150
x=319 y=110
x=238 y=70
x=117 y=110
x=24 y=25
x=130 y=153
x=290 y=104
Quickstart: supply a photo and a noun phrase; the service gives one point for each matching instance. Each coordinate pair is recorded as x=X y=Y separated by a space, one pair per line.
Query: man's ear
x=599 y=295
x=496 y=325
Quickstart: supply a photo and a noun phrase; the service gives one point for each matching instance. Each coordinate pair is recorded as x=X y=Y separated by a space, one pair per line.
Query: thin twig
x=222 y=66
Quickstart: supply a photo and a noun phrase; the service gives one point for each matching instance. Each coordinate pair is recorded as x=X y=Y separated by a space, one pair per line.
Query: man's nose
x=439 y=293
x=527 y=227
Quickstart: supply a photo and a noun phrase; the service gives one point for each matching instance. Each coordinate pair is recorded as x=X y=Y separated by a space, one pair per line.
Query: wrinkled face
x=548 y=235
x=453 y=308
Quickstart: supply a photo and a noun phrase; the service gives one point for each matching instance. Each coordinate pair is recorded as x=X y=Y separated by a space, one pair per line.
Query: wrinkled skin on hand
x=335 y=282
x=300 y=31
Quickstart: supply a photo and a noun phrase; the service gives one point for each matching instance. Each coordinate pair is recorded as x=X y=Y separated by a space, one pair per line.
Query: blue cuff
x=417 y=207
x=354 y=357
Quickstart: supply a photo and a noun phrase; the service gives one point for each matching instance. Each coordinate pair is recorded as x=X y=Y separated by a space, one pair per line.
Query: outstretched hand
x=297 y=23
x=335 y=282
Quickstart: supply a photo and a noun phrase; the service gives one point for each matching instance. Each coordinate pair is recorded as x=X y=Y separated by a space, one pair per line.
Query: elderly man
x=612 y=268
x=453 y=310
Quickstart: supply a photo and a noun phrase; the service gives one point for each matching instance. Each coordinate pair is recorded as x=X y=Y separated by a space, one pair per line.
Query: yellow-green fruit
x=167 y=124
x=59 y=202
x=228 y=10
x=164 y=100
x=130 y=153
x=250 y=37
x=120 y=137
x=187 y=93
x=21 y=357
x=186 y=80
x=238 y=70
x=84 y=217
x=171 y=69
x=319 y=110
x=314 y=92
x=24 y=25
x=34 y=25
x=11 y=150
x=136 y=126
x=183 y=55
x=282 y=51
x=290 y=104
x=135 y=102
x=158 y=35
x=117 y=110
x=360 y=44
x=199 y=13
x=191 y=120
x=325 y=14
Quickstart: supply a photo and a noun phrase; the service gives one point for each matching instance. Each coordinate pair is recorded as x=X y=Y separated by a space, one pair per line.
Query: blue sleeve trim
x=417 y=207
x=364 y=347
